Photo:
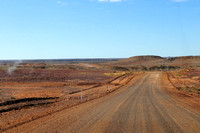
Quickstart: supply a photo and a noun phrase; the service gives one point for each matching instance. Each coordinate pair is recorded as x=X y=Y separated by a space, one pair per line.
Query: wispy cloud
x=109 y=0
x=62 y=3
x=180 y=0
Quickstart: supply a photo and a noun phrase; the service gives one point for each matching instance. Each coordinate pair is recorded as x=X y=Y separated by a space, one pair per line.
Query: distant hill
x=151 y=60
x=133 y=63
x=95 y=60
x=183 y=61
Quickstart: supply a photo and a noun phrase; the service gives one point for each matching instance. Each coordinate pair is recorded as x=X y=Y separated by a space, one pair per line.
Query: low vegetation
x=115 y=74
x=118 y=68
x=187 y=80
x=163 y=68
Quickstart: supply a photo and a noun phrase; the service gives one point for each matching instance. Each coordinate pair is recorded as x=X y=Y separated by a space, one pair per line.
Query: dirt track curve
x=143 y=106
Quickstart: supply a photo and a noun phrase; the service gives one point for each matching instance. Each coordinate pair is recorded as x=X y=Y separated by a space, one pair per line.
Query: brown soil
x=186 y=80
x=148 y=103
x=149 y=61
x=69 y=95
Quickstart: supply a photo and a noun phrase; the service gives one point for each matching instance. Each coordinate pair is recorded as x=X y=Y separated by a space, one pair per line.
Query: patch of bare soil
x=26 y=101
x=149 y=103
x=179 y=96
x=186 y=80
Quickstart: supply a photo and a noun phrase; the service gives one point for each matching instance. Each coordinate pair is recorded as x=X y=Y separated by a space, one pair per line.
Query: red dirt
x=186 y=80
x=180 y=97
x=54 y=89
x=148 y=104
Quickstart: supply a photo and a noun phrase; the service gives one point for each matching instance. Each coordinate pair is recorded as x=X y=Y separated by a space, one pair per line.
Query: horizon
x=36 y=29
x=93 y=58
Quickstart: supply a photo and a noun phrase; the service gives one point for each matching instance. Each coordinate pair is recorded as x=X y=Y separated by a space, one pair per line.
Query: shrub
x=117 y=68
x=173 y=67
x=134 y=68
x=144 y=68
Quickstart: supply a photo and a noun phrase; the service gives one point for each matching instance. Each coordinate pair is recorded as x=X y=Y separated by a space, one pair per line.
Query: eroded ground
x=36 y=91
x=186 y=80
x=147 y=104
x=28 y=94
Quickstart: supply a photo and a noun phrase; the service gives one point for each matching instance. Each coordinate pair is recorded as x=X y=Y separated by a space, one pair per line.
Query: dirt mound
x=138 y=61
x=148 y=57
x=189 y=57
x=142 y=58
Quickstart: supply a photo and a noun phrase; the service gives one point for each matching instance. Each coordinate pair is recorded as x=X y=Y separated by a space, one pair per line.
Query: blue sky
x=45 y=29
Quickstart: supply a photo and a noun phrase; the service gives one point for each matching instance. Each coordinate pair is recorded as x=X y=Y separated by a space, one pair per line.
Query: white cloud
x=115 y=0
x=62 y=3
x=109 y=0
x=180 y=0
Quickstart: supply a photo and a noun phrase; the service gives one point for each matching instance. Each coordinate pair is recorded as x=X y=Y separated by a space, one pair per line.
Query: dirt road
x=142 y=106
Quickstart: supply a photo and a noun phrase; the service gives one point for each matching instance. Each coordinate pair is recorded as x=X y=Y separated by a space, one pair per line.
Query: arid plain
x=138 y=94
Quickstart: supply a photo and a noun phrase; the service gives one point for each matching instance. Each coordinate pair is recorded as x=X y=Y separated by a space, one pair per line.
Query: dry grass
x=187 y=80
x=115 y=74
